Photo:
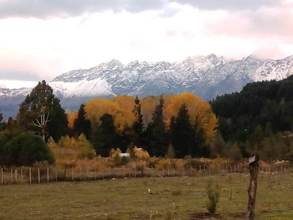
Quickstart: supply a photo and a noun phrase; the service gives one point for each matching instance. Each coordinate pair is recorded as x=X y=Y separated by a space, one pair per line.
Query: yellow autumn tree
x=119 y=107
x=71 y=117
x=148 y=105
x=199 y=111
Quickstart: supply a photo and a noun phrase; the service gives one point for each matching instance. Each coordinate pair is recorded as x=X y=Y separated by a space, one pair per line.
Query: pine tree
x=138 y=123
x=105 y=137
x=82 y=125
x=41 y=112
x=182 y=133
x=200 y=148
x=156 y=132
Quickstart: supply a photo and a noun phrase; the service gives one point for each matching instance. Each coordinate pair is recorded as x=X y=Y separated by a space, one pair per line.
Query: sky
x=40 y=39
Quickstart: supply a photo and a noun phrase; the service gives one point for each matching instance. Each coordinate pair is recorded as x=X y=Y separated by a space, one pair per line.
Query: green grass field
x=169 y=198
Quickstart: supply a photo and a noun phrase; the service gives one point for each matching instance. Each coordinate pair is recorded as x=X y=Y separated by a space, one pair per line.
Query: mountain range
x=206 y=76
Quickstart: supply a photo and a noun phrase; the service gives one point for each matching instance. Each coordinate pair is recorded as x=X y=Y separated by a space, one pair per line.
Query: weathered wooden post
x=48 y=174
x=2 y=176
x=253 y=170
x=39 y=176
x=30 y=175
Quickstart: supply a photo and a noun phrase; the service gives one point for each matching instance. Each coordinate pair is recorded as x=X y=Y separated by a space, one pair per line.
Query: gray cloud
x=59 y=8
x=51 y=8
x=227 y=4
x=11 y=74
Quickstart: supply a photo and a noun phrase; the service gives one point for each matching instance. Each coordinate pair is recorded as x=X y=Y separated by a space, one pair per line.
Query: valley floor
x=147 y=198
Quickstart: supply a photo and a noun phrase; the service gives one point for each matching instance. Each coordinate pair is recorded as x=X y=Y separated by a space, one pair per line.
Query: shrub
x=179 y=164
x=213 y=193
x=163 y=164
x=72 y=149
x=26 y=149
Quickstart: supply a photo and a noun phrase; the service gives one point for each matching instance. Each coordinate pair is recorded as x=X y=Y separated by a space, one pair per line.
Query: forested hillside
x=261 y=110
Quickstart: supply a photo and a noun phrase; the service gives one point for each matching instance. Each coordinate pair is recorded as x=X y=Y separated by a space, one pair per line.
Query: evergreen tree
x=105 y=137
x=200 y=147
x=82 y=125
x=138 y=123
x=41 y=112
x=182 y=133
x=156 y=132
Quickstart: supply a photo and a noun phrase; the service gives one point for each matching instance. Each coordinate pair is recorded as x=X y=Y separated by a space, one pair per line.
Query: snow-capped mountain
x=206 y=76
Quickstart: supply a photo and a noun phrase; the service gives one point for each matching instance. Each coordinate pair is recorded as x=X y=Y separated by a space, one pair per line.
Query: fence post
x=16 y=174
x=72 y=178
x=48 y=174
x=2 y=176
x=11 y=175
x=21 y=175
x=39 y=176
x=30 y=175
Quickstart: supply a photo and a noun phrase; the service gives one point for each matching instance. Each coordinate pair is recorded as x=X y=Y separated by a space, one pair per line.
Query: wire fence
x=39 y=175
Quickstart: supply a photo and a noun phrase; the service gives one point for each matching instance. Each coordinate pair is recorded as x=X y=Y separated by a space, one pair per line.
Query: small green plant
x=213 y=193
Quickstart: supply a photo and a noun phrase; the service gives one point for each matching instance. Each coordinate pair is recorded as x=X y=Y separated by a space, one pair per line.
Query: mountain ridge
x=206 y=76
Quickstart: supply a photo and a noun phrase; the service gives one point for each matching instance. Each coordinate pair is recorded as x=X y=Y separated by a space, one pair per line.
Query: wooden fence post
x=11 y=175
x=253 y=170
x=39 y=176
x=48 y=174
x=2 y=176
x=16 y=175
x=21 y=175
x=30 y=175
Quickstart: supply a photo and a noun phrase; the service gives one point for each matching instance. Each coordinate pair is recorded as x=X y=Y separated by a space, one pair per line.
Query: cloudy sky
x=40 y=39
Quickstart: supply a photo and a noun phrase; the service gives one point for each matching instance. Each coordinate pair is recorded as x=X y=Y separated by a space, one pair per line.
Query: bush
x=213 y=193
x=72 y=149
x=25 y=149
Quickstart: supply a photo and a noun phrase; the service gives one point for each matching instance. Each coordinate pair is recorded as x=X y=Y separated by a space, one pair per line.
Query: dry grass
x=147 y=198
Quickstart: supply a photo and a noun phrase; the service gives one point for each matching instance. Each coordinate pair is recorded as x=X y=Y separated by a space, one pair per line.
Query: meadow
x=148 y=198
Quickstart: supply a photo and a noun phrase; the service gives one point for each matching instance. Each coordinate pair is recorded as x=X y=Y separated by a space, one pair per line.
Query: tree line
x=259 y=118
x=176 y=126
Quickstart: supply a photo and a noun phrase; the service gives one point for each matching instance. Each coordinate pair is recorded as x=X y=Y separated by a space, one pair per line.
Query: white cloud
x=35 y=48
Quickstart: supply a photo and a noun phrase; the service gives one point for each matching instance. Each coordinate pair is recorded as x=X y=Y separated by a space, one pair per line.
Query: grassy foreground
x=169 y=198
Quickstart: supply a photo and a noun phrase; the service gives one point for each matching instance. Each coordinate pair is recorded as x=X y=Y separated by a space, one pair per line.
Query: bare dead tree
x=253 y=170
x=41 y=123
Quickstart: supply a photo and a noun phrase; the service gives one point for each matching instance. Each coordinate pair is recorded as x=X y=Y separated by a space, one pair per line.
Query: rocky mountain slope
x=206 y=76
